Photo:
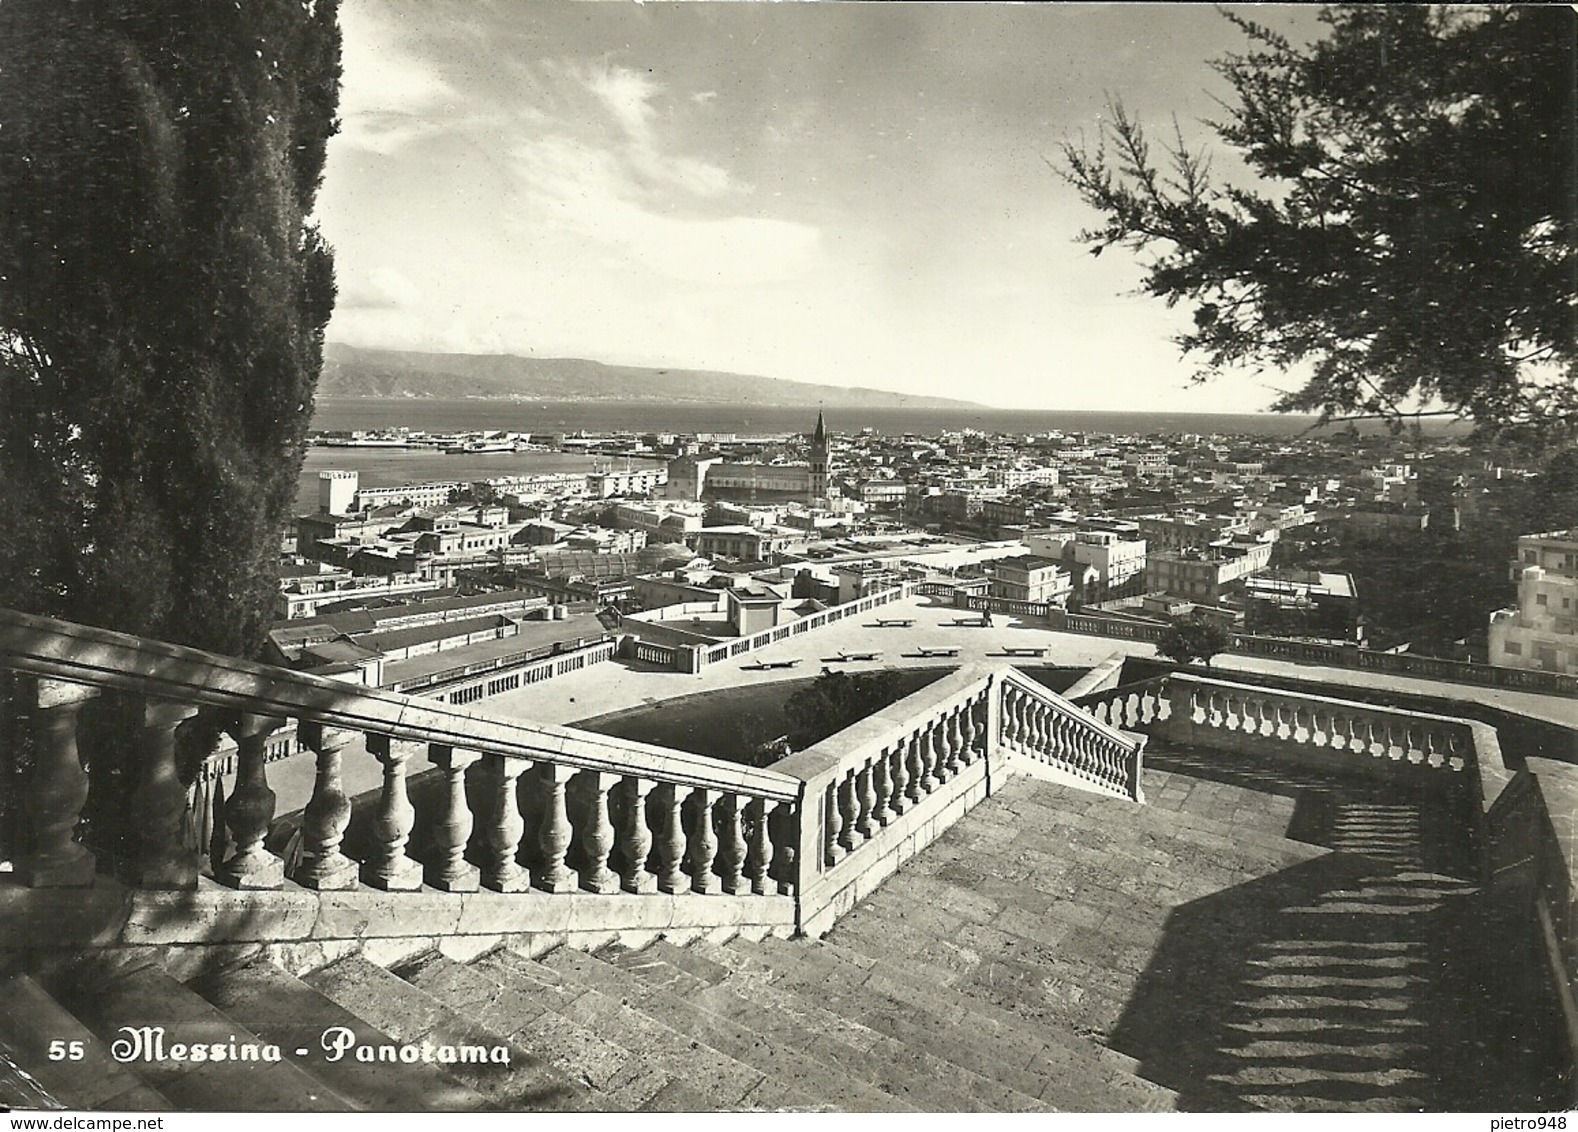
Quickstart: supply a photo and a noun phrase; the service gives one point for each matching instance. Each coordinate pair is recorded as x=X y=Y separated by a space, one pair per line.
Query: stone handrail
x=1227 y=716
x=1045 y=728
x=883 y=788
x=609 y=815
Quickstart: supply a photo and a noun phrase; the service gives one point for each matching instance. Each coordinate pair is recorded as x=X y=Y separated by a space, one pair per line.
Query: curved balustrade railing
x=607 y=815
x=1046 y=728
x=1130 y=707
x=1217 y=713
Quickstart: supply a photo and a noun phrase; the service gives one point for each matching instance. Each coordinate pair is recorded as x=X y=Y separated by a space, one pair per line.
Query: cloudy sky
x=853 y=193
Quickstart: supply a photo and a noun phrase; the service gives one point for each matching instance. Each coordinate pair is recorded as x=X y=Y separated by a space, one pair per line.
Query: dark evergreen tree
x=834 y=700
x=163 y=297
x=1193 y=638
x=1410 y=238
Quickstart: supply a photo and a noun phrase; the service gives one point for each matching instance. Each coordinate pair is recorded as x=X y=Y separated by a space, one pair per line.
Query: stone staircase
x=1053 y=950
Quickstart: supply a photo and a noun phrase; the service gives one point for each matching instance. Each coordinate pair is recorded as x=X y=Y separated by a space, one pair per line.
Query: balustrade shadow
x=1364 y=979
x=1340 y=984
x=1344 y=811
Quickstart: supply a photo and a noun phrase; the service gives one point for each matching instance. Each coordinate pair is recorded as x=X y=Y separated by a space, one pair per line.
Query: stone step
x=932 y=989
x=1030 y=979
x=113 y=1001
x=788 y=1063
x=522 y=1010
x=615 y=998
x=813 y=970
x=729 y=989
x=412 y=1015
x=31 y=1022
x=300 y=1016
x=604 y=1038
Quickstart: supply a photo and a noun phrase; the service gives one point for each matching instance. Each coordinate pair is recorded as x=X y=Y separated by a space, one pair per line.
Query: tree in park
x=163 y=298
x=834 y=700
x=1193 y=638
x=1409 y=239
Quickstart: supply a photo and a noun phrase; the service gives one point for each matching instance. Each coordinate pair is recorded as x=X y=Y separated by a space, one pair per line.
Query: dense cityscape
x=1318 y=538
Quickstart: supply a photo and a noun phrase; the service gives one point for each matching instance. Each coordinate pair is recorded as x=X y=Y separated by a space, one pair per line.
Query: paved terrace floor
x=622 y=684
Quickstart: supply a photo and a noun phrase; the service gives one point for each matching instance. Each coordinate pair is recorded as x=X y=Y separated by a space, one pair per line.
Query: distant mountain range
x=350 y=371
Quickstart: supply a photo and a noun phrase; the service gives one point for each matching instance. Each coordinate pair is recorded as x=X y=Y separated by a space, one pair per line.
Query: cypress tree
x=163 y=298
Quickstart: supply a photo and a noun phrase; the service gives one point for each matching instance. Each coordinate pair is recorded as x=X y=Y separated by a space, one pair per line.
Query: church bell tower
x=819 y=463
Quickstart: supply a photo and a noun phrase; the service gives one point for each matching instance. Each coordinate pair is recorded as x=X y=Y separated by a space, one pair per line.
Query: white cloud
x=389 y=97
x=626 y=94
x=592 y=193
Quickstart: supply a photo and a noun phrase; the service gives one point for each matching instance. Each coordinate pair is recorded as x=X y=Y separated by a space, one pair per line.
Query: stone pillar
x=159 y=802
x=597 y=834
x=759 y=845
x=249 y=811
x=388 y=867
x=502 y=837
x=449 y=870
x=635 y=838
x=702 y=845
x=731 y=844
x=57 y=791
x=671 y=840
x=881 y=789
x=323 y=822
x=552 y=875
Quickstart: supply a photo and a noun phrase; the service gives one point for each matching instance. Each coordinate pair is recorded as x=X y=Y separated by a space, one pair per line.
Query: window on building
x=1513 y=648
x=1529 y=557
x=1541 y=599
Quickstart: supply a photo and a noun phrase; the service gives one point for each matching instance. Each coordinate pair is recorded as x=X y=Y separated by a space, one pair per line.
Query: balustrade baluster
x=671 y=842
x=328 y=812
x=925 y=777
x=731 y=845
x=973 y=733
x=937 y=739
x=249 y=811
x=501 y=871
x=388 y=867
x=782 y=820
x=159 y=802
x=551 y=874
x=56 y=792
x=1041 y=732
x=635 y=838
x=596 y=832
x=758 y=845
x=848 y=806
x=449 y=871
x=881 y=789
x=954 y=739
x=1010 y=724
x=899 y=774
x=702 y=848
x=834 y=850
x=864 y=799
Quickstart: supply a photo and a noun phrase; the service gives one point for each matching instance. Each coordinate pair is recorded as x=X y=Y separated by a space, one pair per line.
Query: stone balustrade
x=1046 y=729
x=606 y=815
x=883 y=788
x=1226 y=716
x=514 y=808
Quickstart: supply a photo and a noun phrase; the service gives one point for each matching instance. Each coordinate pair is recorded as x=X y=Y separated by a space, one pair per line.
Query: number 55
x=65 y=1051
